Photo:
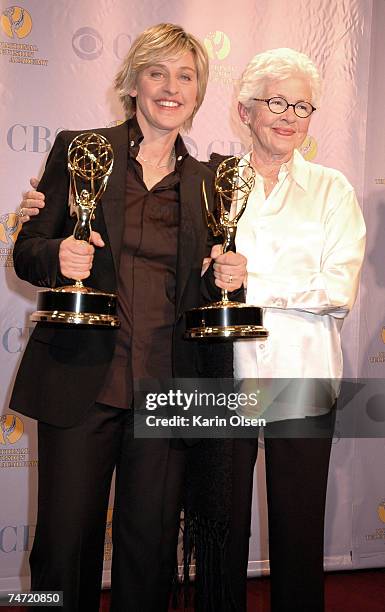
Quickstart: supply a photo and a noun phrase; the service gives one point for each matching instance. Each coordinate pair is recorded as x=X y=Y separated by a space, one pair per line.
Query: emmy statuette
x=234 y=181
x=90 y=162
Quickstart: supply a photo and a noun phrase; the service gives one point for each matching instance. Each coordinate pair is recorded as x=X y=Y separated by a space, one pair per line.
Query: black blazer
x=63 y=368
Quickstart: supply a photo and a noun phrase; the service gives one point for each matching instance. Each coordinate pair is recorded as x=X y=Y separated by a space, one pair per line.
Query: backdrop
x=57 y=63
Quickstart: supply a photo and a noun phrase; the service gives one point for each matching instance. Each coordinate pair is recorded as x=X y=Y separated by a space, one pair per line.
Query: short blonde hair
x=277 y=64
x=154 y=44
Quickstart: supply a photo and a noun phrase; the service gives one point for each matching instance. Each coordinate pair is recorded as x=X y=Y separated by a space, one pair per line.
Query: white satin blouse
x=304 y=244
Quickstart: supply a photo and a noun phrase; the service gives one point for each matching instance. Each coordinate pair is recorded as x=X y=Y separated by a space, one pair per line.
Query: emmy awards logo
x=11 y=429
x=16 y=22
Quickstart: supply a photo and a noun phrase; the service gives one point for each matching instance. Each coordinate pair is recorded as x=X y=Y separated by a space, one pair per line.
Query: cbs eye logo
x=87 y=43
x=16 y=22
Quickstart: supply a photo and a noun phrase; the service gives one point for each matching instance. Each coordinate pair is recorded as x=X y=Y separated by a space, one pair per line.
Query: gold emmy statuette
x=90 y=162
x=234 y=181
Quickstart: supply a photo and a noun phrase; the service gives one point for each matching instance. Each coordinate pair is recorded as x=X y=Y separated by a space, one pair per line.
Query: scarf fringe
x=204 y=540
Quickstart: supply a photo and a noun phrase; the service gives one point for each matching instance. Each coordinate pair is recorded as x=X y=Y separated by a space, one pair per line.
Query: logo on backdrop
x=381 y=511
x=191 y=145
x=11 y=432
x=31 y=138
x=309 y=148
x=115 y=122
x=9 y=228
x=11 y=429
x=380 y=357
x=218 y=45
x=108 y=536
x=87 y=43
x=14 y=338
x=16 y=24
x=16 y=538
x=226 y=147
x=379 y=533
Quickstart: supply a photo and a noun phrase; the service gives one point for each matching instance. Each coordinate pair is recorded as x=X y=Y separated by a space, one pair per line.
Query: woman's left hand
x=32 y=202
x=229 y=268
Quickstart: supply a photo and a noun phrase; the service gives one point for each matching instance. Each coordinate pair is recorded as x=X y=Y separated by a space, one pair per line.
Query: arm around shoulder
x=37 y=246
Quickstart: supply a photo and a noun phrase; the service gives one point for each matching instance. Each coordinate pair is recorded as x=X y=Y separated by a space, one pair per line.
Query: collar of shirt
x=299 y=170
x=135 y=137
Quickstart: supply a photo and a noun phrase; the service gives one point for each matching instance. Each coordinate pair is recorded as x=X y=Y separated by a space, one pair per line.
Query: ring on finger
x=21 y=212
x=230 y=279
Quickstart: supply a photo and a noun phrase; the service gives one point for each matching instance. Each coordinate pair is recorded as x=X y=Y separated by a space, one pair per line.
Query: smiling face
x=166 y=94
x=276 y=136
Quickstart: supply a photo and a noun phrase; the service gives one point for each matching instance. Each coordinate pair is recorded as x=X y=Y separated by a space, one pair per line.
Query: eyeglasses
x=279 y=105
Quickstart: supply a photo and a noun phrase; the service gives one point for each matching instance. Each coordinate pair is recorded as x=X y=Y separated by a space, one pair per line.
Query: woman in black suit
x=147 y=245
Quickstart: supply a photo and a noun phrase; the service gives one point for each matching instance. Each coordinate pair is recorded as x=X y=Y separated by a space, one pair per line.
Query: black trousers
x=75 y=471
x=296 y=478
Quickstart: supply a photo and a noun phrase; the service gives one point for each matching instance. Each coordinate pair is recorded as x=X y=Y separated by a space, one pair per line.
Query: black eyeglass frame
x=268 y=100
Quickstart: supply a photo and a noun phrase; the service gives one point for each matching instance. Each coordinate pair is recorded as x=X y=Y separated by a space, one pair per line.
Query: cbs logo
x=88 y=44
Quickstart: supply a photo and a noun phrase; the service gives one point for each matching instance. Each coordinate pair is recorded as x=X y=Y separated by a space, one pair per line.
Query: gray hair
x=277 y=64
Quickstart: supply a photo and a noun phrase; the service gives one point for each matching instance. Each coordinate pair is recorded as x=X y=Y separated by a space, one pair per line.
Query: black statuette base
x=225 y=320
x=76 y=307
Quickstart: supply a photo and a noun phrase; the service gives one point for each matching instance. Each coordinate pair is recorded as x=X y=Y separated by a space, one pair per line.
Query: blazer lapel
x=113 y=201
x=190 y=215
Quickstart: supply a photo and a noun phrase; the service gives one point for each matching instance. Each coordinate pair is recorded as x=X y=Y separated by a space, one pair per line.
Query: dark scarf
x=207 y=504
x=208 y=493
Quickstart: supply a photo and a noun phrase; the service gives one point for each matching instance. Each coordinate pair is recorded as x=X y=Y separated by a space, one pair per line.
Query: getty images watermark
x=221 y=408
x=192 y=408
x=198 y=400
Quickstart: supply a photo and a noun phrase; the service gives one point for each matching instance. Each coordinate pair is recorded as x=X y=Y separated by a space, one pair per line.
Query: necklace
x=170 y=160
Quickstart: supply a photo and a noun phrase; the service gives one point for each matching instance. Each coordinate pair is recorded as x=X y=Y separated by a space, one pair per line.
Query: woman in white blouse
x=304 y=237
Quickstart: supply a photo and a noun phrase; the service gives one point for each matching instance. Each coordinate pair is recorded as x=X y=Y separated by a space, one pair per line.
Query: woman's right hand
x=32 y=202
x=76 y=256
